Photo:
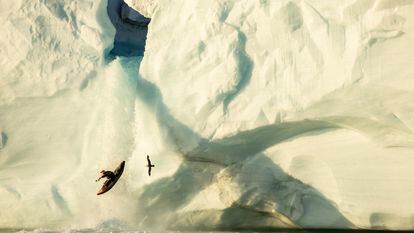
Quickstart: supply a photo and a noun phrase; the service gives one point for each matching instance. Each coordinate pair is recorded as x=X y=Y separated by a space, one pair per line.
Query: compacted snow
x=257 y=114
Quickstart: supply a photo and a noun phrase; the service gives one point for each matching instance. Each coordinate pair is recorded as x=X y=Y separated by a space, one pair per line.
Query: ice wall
x=257 y=114
x=62 y=113
x=267 y=60
x=302 y=110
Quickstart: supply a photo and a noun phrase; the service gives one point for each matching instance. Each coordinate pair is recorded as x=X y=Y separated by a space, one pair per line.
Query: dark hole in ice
x=131 y=30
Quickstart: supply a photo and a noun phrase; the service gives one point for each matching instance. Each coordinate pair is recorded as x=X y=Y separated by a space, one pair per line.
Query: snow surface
x=257 y=114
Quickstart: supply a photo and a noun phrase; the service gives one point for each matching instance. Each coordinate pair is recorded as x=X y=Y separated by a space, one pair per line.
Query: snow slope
x=257 y=114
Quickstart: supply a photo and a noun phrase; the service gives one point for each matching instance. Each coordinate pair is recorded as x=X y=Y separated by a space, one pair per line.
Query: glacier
x=257 y=114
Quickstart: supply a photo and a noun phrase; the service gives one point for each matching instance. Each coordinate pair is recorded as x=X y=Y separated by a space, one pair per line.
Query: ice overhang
x=131 y=29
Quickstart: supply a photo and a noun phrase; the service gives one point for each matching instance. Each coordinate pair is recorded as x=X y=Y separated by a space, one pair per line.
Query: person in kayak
x=106 y=174
x=112 y=178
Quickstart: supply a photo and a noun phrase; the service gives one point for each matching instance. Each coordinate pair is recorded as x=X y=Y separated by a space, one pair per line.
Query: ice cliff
x=257 y=114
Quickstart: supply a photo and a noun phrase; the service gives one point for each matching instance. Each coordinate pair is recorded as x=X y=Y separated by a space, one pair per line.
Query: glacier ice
x=258 y=114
